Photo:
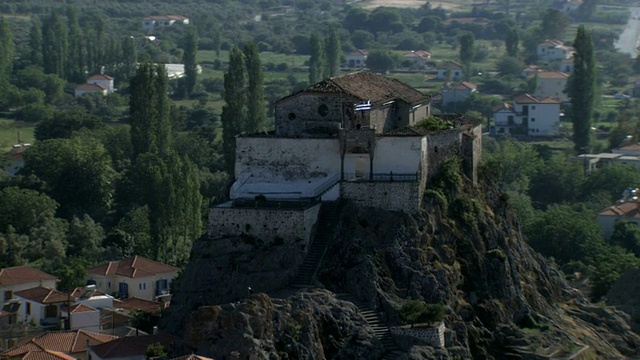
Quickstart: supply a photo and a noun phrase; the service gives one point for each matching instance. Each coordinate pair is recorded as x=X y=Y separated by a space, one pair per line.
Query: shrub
x=417 y=311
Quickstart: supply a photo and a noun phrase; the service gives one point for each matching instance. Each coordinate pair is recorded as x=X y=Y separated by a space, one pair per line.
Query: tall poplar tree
x=35 y=44
x=333 y=51
x=6 y=48
x=511 y=42
x=317 y=61
x=256 y=111
x=467 y=50
x=55 y=46
x=233 y=111
x=75 y=64
x=149 y=110
x=581 y=89
x=190 y=50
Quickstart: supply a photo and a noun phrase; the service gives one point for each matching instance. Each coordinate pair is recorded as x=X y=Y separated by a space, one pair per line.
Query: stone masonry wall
x=433 y=335
x=394 y=196
x=441 y=146
x=301 y=114
x=289 y=226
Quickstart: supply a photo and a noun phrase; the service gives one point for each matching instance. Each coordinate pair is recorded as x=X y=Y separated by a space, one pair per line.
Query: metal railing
x=382 y=177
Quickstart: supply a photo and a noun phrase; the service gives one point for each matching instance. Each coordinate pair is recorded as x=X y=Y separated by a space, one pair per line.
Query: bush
x=417 y=311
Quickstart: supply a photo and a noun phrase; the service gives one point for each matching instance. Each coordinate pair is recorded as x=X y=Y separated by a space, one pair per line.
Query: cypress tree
x=466 y=48
x=256 y=112
x=190 y=50
x=233 y=111
x=581 y=89
x=35 y=44
x=55 y=46
x=334 y=50
x=317 y=61
x=511 y=42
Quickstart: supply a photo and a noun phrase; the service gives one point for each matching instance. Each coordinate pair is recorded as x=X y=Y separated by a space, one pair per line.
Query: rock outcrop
x=464 y=251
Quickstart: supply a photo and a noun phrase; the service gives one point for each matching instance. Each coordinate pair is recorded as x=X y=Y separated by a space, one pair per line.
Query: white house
x=566 y=66
x=103 y=80
x=627 y=209
x=41 y=306
x=82 y=89
x=71 y=342
x=357 y=59
x=550 y=50
x=552 y=84
x=129 y=347
x=84 y=317
x=528 y=115
x=419 y=58
x=149 y=23
x=18 y=278
x=458 y=92
x=450 y=69
x=134 y=277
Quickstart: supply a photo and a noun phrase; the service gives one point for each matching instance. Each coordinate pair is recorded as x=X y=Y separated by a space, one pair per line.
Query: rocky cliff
x=465 y=251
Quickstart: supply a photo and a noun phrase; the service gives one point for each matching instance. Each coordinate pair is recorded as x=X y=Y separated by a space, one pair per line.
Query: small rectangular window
x=28 y=308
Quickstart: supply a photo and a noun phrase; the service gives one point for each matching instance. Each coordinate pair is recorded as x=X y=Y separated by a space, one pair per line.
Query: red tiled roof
x=81 y=308
x=47 y=355
x=192 y=357
x=44 y=295
x=629 y=147
x=525 y=98
x=131 y=345
x=166 y=17
x=628 y=209
x=551 y=42
x=552 y=75
x=89 y=87
x=81 y=291
x=418 y=53
x=67 y=341
x=363 y=52
x=100 y=77
x=133 y=304
x=365 y=86
x=465 y=85
x=23 y=275
x=502 y=106
x=134 y=267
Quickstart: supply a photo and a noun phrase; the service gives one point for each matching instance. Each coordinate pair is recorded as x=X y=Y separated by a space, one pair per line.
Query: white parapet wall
x=268 y=224
x=433 y=335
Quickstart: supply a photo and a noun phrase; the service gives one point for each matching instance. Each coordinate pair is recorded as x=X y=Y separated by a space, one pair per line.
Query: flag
x=365 y=105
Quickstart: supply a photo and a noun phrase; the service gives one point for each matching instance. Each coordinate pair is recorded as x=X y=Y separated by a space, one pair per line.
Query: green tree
x=149 y=110
x=467 y=50
x=382 y=60
x=65 y=122
x=35 y=44
x=333 y=51
x=612 y=180
x=190 y=50
x=77 y=171
x=587 y=8
x=256 y=111
x=554 y=23
x=233 y=115
x=581 y=90
x=6 y=48
x=317 y=60
x=12 y=247
x=75 y=63
x=132 y=234
x=627 y=235
x=55 y=45
x=509 y=66
x=511 y=42
x=21 y=209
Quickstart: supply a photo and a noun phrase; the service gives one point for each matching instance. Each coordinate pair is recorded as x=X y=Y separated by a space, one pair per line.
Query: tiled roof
x=47 y=355
x=552 y=75
x=362 y=52
x=627 y=209
x=629 y=147
x=88 y=87
x=451 y=64
x=81 y=308
x=131 y=345
x=23 y=275
x=418 y=53
x=83 y=291
x=133 y=304
x=100 y=77
x=525 y=98
x=166 y=17
x=44 y=295
x=551 y=42
x=465 y=85
x=134 y=267
x=67 y=341
x=365 y=86
x=502 y=107
x=191 y=357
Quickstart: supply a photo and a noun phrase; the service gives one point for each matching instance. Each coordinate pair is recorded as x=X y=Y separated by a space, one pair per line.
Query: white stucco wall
x=397 y=154
x=88 y=321
x=544 y=119
x=552 y=87
x=272 y=160
x=30 y=285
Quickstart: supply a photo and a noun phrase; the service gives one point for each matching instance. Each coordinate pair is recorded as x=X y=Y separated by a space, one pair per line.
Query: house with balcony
x=18 y=278
x=73 y=343
x=42 y=306
x=134 y=277
x=527 y=115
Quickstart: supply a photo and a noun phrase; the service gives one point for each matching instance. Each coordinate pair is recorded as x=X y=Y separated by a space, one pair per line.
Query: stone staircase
x=324 y=230
x=380 y=330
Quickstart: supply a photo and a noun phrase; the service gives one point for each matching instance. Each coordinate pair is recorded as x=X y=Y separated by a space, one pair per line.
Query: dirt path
x=628 y=41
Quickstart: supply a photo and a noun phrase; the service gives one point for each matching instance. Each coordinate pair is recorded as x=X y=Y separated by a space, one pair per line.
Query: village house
x=552 y=84
x=530 y=70
x=628 y=153
x=527 y=115
x=69 y=342
x=458 y=92
x=129 y=348
x=41 y=306
x=566 y=66
x=419 y=59
x=449 y=70
x=18 y=278
x=96 y=84
x=626 y=209
x=357 y=59
x=149 y=23
x=551 y=50
x=103 y=80
x=134 y=277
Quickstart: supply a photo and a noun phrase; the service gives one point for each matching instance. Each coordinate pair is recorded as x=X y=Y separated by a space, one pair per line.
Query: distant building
x=103 y=80
x=528 y=115
x=450 y=69
x=419 y=59
x=552 y=84
x=357 y=59
x=130 y=347
x=70 y=342
x=550 y=50
x=18 y=278
x=82 y=89
x=149 y=23
x=459 y=92
x=626 y=209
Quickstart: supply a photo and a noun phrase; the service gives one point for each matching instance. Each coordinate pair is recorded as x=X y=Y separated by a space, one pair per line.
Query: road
x=628 y=41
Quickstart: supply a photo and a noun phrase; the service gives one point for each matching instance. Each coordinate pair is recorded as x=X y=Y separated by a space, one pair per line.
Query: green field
x=10 y=131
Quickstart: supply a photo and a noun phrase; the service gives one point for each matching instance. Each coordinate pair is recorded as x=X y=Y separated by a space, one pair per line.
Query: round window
x=292 y=116
x=323 y=110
